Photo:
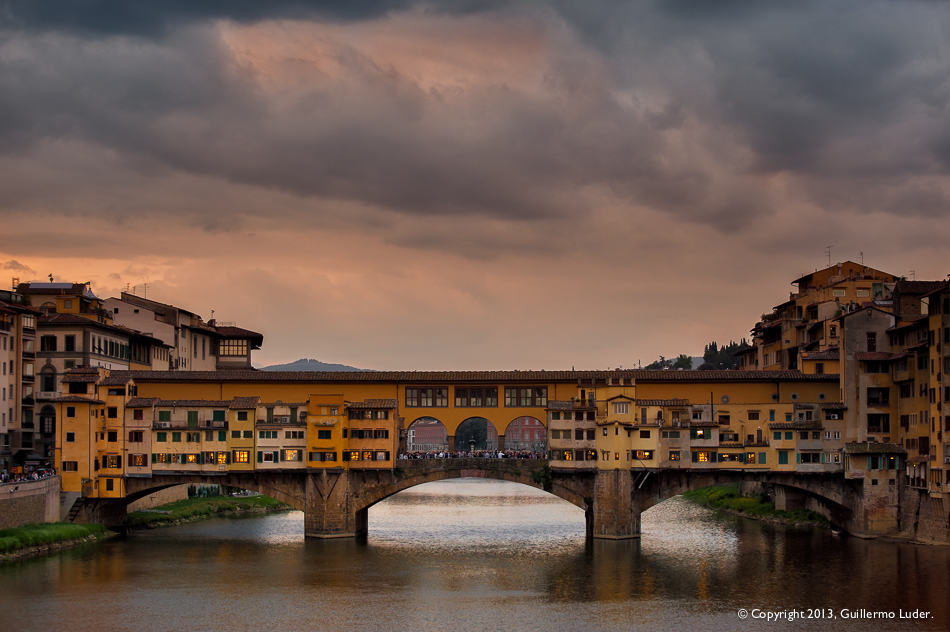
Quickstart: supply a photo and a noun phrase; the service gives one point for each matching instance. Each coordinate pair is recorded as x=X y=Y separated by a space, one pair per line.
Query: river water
x=474 y=554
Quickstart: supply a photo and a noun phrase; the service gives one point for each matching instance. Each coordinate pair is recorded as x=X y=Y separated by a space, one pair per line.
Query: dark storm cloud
x=150 y=18
x=681 y=107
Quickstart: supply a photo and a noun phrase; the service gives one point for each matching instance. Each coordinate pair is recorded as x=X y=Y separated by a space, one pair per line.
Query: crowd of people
x=477 y=454
x=28 y=474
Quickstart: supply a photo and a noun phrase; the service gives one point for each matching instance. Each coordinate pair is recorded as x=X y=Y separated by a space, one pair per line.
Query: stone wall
x=925 y=518
x=28 y=502
x=160 y=497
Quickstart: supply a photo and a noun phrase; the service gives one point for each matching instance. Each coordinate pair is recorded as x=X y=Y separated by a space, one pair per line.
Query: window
x=192 y=416
x=294 y=434
x=161 y=437
x=477 y=397
x=820 y=368
x=872 y=341
x=753 y=415
x=700 y=433
x=750 y=458
x=322 y=456
x=380 y=433
x=704 y=457
x=235 y=434
x=526 y=396
x=47 y=343
x=70 y=466
x=292 y=455
x=242 y=415
x=137 y=460
x=192 y=437
x=247 y=434
x=878 y=396
x=644 y=455
x=674 y=455
x=242 y=456
x=644 y=434
x=70 y=411
x=879 y=423
x=164 y=415
x=69 y=342
x=783 y=457
x=112 y=461
x=232 y=348
x=266 y=434
x=323 y=435
x=621 y=408
x=176 y=437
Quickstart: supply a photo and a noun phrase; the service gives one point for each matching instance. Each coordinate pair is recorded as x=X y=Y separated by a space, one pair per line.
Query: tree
x=683 y=362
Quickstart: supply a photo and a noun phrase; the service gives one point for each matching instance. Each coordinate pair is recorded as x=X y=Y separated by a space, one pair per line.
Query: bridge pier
x=615 y=515
x=329 y=508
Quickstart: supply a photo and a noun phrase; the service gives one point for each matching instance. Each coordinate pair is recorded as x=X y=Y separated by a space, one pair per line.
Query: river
x=473 y=554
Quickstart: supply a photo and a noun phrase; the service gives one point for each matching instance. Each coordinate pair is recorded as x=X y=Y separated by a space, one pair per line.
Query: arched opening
x=476 y=434
x=426 y=434
x=48 y=379
x=526 y=434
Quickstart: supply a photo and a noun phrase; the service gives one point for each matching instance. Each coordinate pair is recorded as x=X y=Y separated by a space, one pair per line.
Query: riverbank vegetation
x=200 y=508
x=727 y=498
x=44 y=534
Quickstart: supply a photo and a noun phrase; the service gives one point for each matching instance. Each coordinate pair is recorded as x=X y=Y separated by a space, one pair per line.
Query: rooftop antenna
x=913 y=275
x=861 y=254
x=51 y=278
x=828 y=248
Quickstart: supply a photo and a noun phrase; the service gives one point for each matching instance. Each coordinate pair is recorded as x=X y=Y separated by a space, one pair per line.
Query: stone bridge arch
x=288 y=488
x=830 y=495
x=339 y=502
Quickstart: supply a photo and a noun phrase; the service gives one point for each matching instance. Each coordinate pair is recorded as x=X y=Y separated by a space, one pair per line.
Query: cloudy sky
x=472 y=184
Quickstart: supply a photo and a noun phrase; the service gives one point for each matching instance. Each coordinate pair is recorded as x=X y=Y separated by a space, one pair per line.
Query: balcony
x=29 y=379
x=47 y=395
x=6 y=326
x=29 y=354
x=28 y=400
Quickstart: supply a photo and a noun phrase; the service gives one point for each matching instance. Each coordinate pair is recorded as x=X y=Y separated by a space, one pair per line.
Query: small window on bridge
x=674 y=455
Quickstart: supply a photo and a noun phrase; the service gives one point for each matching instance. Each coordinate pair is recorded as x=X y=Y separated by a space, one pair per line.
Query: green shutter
x=695 y=457
x=154 y=457
x=761 y=458
x=260 y=456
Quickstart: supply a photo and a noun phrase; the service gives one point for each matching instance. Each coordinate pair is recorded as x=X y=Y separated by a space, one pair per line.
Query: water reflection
x=472 y=554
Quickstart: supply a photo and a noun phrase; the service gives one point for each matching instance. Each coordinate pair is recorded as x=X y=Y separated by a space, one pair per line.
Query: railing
x=43 y=395
x=29 y=354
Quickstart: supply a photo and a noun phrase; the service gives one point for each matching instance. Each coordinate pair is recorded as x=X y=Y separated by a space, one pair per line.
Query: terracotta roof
x=873 y=356
x=282 y=403
x=142 y=402
x=833 y=406
x=244 y=403
x=662 y=402
x=703 y=424
x=923 y=458
x=827 y=354
x=76 y=399
x=238 y=332
x=192 y=403
x=120 y=380
x=477 y=376
x=874 y=448
x=908 y=322
x=87 y=378
x=374 y=403
x=919 y=287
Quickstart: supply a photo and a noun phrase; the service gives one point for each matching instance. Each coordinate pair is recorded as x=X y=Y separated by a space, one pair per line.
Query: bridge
x=336 y=502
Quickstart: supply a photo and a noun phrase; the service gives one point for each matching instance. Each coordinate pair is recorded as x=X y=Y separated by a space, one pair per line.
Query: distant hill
x=310 y=365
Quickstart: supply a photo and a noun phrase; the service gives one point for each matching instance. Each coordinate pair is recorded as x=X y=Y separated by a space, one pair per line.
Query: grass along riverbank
x=32 y=539
x=727 y=498
x=194 y=509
